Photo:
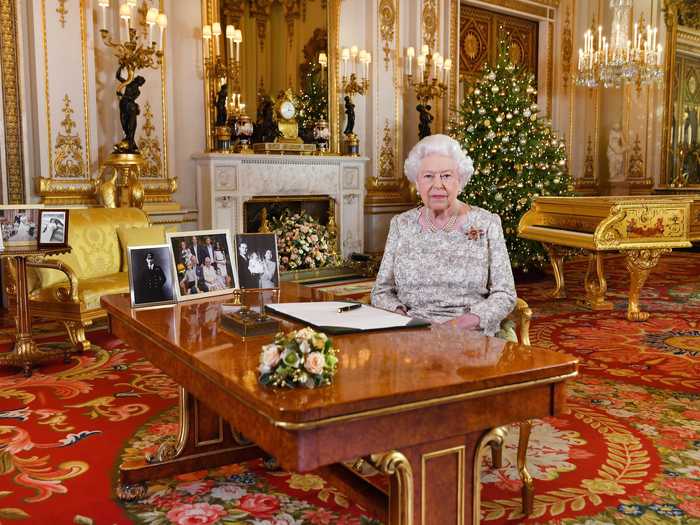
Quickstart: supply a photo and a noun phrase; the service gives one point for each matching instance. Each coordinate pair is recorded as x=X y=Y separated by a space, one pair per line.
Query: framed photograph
x=257 y=260
x=151 y=275
x=203 y=263
x=20 y=224
x=53 y=228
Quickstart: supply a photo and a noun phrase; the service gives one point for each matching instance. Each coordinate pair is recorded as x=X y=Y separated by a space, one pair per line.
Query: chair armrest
x=69 y=294
x=522 y=314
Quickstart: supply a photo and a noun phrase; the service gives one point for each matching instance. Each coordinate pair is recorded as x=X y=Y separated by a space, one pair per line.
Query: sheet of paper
x=326 y=314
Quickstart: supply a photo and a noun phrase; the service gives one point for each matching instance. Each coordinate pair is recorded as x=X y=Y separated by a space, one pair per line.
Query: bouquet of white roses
x=302 y=242
x=300 y=358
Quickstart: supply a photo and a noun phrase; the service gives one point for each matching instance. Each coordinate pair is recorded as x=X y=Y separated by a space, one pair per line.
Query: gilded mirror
x=681 y=154
x=281 y=44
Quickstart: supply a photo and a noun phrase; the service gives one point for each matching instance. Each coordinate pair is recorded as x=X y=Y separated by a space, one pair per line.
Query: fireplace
x=232 y=190
x=320 y=207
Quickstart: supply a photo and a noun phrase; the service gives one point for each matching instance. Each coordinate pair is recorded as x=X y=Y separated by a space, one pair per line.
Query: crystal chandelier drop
x=625 y=57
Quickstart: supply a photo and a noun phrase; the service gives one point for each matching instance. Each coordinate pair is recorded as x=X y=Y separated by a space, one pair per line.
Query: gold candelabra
x=122 y=187
x=223 y=68
x=130 y=52
x=354 y=61
x=432 y=72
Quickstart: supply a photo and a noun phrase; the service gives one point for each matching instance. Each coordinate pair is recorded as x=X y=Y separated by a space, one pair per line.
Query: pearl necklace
x=447 y=227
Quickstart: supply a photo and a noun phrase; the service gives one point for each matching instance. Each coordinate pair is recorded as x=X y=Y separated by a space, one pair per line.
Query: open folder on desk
x=325 y=316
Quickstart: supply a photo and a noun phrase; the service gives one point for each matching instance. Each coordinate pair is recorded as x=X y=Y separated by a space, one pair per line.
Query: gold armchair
x=68 y=288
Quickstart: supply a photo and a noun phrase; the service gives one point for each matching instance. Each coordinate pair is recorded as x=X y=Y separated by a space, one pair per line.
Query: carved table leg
x=595 y=284
x=556 y=258
x=76 y=332
x=528 y=493
x=639 y=263
x=204 y=441
x=25 y=351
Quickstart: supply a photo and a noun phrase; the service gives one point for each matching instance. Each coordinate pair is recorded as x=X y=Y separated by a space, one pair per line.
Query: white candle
x=237 y=39
x=600 y=37
x=216 y=33
x=151 y=19
x=410 y=53
x=448 y=65
x=345 y=55
x=659 y=59
x=162 y=22
x=424 y=50
x=104 y=4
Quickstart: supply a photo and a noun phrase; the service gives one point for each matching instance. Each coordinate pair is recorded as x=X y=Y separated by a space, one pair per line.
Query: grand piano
x=642 y=228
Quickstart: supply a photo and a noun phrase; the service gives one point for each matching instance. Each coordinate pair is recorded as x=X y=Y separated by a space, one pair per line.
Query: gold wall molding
x=68 y=159
x=11 y=102
x=386 y=154
x=683 y=12
x=567 y=49
x=387 y=23
x=149 y=146
x=62 y=12
x=430 y=23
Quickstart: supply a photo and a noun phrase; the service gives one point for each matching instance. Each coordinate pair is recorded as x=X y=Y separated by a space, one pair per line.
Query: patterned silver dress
x=441 y=275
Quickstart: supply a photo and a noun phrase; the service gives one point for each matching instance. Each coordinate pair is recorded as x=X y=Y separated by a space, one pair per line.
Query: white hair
x=438 y=145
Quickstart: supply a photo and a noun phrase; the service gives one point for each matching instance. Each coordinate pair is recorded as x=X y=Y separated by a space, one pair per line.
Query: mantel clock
x=285 y=115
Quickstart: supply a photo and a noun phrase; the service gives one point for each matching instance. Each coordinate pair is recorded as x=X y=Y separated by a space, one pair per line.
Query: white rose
x=270 y=355
x=315 y=363
x=304 y=347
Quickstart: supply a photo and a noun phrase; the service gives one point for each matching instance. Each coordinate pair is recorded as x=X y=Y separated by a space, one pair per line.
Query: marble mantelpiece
x=225 y=182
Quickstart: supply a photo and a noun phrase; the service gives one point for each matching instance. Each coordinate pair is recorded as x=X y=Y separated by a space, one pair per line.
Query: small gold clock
x=285 y=113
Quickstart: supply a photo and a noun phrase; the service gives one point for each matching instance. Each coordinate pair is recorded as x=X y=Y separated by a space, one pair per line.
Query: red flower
x=318 y=517
x=259 y=505
x=691 y=507
x=474 y=235
x=686 y=487
x=196 y=514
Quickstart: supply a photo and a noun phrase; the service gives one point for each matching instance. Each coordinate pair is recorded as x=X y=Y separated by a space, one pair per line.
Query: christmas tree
x=313 y=100
x=517 y=157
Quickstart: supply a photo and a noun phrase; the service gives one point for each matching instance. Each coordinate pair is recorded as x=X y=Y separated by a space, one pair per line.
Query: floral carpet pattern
x=627 y=451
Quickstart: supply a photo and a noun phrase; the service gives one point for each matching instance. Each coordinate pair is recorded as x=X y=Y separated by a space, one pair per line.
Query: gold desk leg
x=204 y=441
x=595 y=283
x=556 y=258
x=639 y=264
x=396 y=465
x=528 y=493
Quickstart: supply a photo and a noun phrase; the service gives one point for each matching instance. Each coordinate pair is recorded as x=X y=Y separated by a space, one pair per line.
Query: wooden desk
x=420 y=400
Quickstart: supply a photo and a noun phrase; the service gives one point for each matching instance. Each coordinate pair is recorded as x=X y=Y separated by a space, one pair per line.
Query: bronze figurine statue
x=265 y=127
x=425 y=119
x=128 y=111
x=350 y=112
x=221 y=98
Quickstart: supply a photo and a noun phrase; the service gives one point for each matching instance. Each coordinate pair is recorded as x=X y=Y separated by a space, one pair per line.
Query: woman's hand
x=467 y=321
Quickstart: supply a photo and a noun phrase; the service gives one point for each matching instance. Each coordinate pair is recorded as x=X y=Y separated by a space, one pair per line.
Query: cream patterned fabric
x=440 y=275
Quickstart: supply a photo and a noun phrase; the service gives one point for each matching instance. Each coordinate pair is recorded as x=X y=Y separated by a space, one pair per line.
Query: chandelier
x=626 y=57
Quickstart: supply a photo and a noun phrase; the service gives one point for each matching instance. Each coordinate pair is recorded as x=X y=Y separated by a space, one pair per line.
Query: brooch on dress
x=474 y=234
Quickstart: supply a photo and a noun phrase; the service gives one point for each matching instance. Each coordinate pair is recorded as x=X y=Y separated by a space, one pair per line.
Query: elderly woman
x=445 y=261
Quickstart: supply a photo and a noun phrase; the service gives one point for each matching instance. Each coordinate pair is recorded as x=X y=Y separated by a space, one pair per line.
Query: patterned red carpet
x=627 y=452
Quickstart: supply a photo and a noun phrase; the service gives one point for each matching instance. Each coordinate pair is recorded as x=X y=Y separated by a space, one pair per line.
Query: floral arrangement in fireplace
x=302 y=242
x=300 y=358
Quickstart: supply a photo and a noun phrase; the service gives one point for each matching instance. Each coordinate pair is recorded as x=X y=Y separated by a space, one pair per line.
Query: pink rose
x=196 y=514
x=688 y=487
x=691 y=508
x=270 y=355
x=259 y=505
x=315 y=362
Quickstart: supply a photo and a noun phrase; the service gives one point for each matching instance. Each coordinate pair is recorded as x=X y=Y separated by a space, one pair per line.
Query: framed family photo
x=257 y=261
x=203 y=263
x=53 y=228
x=151 y=275
x=20 y=224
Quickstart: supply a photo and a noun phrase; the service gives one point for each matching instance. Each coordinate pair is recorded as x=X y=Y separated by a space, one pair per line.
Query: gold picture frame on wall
x=681 y=144
x=211 y=12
